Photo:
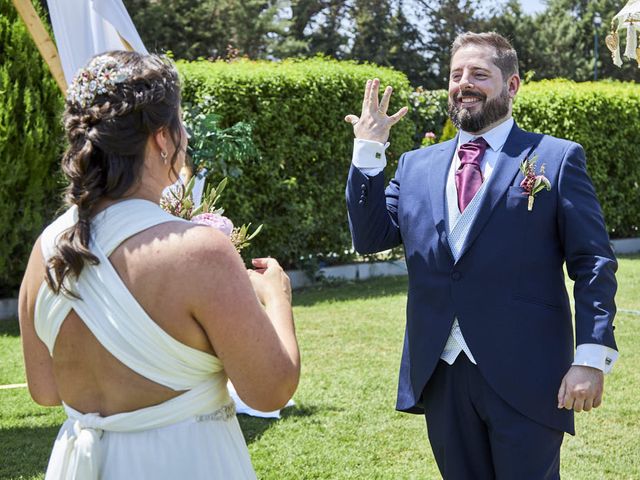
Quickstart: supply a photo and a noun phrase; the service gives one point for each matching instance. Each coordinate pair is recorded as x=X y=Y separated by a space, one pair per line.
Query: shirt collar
x=496 y=137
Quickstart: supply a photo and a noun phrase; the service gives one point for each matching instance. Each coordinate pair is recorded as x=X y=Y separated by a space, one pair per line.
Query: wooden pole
x=43 y=41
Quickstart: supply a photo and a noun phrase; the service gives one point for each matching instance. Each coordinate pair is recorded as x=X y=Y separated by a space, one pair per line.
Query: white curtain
x=84 y=28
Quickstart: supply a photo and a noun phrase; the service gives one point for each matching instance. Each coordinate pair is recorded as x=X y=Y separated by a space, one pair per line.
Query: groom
x=489 y=344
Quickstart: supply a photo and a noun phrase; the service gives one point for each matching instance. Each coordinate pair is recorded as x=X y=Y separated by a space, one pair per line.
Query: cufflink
x=608 y=361
x=378 y=155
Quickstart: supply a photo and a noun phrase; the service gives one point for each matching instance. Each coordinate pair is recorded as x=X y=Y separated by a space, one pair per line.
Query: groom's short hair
x=505 y=58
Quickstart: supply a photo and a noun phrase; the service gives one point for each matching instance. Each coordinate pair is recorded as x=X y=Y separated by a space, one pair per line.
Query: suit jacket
x=507 y=288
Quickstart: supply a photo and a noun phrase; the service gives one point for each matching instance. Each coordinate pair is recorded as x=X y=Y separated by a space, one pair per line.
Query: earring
x=164 y=156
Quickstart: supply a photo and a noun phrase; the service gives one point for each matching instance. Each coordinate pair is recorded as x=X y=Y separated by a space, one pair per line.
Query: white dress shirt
x=370 y=159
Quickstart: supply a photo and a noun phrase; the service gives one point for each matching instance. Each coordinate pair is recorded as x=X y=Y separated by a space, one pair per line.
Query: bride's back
x=154 y=268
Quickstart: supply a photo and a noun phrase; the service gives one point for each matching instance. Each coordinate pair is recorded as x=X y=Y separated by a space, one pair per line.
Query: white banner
x=84 y=28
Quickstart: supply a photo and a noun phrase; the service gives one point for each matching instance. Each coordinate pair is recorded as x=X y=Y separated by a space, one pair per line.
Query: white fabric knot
x=83 y=451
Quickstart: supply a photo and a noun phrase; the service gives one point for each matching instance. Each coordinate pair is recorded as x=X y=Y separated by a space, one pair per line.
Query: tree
x=564 y=36
x=447 y=19
x=209 y=28
x=521 y=30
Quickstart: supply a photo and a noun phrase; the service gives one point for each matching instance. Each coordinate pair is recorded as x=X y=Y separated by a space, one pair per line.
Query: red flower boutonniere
x=532 y=183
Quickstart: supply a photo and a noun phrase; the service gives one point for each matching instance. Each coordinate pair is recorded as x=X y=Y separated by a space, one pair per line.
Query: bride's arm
x=251 y=331
x=37 y=361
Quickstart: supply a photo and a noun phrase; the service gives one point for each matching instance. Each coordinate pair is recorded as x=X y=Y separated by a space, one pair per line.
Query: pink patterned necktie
x=469 y=176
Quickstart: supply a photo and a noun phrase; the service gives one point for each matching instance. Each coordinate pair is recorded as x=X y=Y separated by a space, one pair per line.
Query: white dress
x=195 y=435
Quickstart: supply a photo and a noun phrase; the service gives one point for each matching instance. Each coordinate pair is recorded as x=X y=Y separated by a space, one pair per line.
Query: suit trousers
x=476 y=435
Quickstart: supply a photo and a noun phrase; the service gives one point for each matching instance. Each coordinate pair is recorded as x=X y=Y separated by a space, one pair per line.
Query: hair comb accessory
x=99 y=77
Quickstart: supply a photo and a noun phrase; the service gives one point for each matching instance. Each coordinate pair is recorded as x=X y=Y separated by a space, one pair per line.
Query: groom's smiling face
x=479 y=96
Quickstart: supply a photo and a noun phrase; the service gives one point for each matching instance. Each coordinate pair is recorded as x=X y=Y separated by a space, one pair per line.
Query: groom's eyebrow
x=473 y=69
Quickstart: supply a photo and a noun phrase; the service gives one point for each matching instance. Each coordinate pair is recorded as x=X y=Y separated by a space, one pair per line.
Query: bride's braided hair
x=107 y=133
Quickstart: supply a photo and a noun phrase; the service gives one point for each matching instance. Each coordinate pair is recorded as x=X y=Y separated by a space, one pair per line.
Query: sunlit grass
x=344 y=425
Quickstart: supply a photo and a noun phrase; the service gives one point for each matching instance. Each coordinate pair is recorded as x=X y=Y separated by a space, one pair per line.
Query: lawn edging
x=626 y=245
x=8 y=308
x=352 y=271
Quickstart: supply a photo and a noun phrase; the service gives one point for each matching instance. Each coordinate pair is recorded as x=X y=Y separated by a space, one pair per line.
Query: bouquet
x=179 y=202
x=212 y=148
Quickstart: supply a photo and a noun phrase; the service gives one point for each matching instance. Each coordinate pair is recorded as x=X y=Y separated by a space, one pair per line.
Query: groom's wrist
x=595 y=356
x=369 y=155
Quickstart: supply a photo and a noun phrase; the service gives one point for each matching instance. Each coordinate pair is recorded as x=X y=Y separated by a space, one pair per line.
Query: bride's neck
x=142 y=191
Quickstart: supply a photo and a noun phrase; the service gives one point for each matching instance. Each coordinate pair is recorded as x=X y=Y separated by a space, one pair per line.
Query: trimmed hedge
x=30 y=147
x=297 y=109
x=604 y=117
x=295 y=187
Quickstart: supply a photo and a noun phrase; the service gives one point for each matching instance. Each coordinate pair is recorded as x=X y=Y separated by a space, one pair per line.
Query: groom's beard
x=490 y=112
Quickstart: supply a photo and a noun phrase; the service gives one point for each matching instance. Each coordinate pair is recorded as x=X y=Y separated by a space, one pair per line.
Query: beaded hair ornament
x=99 y=77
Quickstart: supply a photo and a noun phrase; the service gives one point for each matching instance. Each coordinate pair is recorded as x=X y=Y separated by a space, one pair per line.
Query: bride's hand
x=269 y=281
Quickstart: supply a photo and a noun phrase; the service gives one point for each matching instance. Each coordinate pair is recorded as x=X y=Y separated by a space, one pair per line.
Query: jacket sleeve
x=590 y=261
x=373 y=211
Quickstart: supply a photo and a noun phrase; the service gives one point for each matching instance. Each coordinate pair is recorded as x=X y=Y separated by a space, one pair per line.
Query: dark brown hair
x=107 y=139
x=505 y=57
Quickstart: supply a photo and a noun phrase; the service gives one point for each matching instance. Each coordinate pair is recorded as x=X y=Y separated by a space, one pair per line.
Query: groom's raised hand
x=374 y=124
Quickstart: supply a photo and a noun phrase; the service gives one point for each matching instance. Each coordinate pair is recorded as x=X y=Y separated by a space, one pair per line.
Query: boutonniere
x=533 y=183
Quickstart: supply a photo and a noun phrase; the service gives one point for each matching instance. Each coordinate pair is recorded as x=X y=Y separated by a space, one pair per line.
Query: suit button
x=361 y=202
x=363 y=187
x=455 y=276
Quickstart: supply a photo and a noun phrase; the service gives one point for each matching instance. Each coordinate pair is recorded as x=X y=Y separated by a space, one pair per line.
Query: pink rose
x=214 y=220
x=430 y=135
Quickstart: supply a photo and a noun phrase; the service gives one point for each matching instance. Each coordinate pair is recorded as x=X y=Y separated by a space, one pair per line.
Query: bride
x=133 y=319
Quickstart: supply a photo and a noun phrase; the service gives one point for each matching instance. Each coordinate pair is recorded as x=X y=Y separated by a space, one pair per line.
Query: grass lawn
x=344 y=425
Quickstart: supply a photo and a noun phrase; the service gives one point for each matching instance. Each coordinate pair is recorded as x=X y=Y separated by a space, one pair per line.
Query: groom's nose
x=465 y=81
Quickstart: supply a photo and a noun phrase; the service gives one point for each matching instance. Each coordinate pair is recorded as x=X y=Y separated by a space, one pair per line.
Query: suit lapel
x=437 y=186
x=519 y=144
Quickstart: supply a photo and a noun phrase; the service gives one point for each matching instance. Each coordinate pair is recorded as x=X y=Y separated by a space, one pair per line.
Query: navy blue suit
x=507 y=289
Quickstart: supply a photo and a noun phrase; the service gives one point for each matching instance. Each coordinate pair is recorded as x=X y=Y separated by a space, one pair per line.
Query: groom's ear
x=513 y=85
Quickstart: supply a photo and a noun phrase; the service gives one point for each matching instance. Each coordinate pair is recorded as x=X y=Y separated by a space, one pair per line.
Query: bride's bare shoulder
x=184 y=244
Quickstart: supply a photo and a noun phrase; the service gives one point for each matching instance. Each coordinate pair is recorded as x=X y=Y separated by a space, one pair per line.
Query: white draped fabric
x=194 y=435
x=84 y=28
x=626 y=19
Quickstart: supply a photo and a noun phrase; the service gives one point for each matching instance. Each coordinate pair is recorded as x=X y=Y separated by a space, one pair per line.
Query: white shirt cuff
x=368 y=156
x=596 y=356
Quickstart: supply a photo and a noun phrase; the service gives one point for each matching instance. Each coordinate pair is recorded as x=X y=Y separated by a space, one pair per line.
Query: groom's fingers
x=373 y=95
x=597 y=401
x=561 y=392
x=396 y=117
x=352 y=119
x=367 y=94
x=384 y=103
x=578 y=405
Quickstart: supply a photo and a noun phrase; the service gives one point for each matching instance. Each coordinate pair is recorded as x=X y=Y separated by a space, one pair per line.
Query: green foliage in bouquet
x=217 y=149
x=179 y=202
x=297 y=109
x=31 y=141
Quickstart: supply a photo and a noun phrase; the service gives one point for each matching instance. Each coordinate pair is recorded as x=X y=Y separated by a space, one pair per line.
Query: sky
x=532 y=6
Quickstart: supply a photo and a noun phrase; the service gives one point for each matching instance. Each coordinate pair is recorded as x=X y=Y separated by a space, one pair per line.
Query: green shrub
x=296 y=109
x=30 y=147
x=604 y=117
x=428 y=110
